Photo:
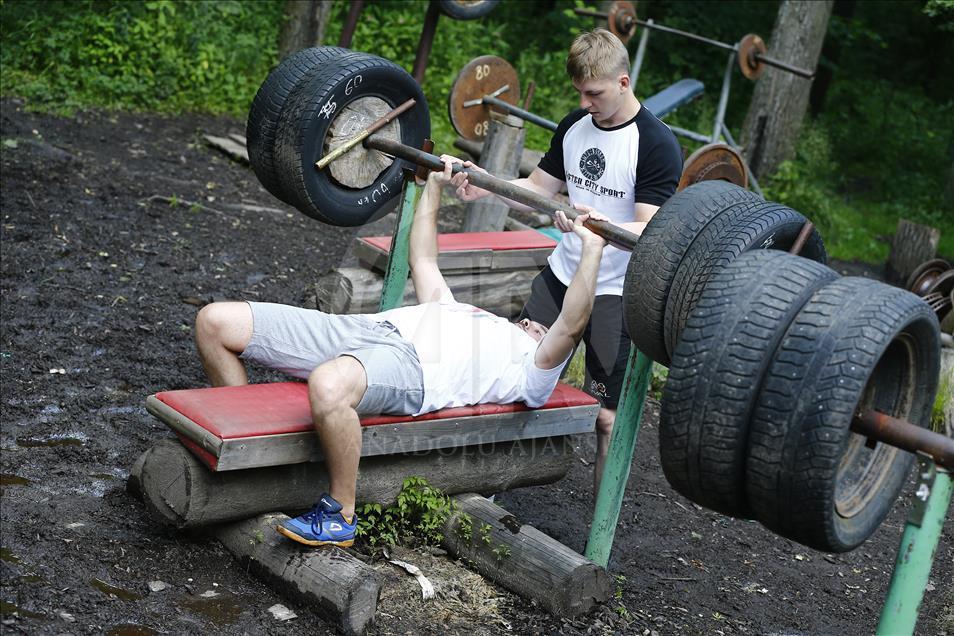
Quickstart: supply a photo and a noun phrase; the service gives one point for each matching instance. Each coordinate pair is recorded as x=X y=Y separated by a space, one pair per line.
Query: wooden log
x=529 y=158
x=180 y=491
x=229 y=146
x=337 y=586
x=501 y=157
x=912 y=245
x=354 y=290
x=523 y=559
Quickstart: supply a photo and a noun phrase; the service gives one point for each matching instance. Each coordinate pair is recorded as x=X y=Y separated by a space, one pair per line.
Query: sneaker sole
x=300 y=539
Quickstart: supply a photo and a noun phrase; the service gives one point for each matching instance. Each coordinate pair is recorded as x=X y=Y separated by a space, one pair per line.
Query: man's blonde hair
x=596 y=54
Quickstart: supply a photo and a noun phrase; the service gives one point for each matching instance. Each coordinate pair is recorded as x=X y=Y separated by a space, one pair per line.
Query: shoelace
x=316 y=516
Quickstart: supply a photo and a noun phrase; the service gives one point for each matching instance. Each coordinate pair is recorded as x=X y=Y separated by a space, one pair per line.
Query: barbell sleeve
x=519 y=112
x=795 y=70
x=615 y=235
x=906 y=436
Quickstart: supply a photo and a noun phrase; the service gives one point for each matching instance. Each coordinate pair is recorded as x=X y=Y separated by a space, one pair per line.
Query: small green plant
x=658 y=380
x=465 y=528
x=417 y=518
x=620 y=609
x=502 y=551
x=942 y=403
x=484 y=532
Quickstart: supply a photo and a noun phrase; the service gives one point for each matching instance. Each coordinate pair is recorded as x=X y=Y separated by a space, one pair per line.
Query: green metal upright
x=395 y=278
x=619 y=457
x=916 y=554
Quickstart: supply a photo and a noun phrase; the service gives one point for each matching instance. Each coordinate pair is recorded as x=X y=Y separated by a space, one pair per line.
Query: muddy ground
x=100 y=286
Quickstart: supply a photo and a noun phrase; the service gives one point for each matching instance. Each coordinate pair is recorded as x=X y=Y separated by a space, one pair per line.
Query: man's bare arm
x=568 y=328
x=429 y=283
x=539 y=181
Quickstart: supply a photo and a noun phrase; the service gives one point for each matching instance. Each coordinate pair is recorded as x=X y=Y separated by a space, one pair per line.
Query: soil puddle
x=113 y=590
x=9 y=609
x=131 y=629
x=56 y=440
x=221 y=610
x=9 y=479
x=8 y=556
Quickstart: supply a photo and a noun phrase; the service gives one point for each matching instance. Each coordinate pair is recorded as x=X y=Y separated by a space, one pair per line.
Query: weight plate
x=943 y=284
x=925 y=274
x=360 y=166
x=481 y=76
x=856 y=345
x=750 y=46
x=714 y=162
x=467 y=9
x=621 y=20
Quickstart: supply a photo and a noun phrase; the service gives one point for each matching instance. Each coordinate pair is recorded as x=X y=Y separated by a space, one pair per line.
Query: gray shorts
x=296 y=341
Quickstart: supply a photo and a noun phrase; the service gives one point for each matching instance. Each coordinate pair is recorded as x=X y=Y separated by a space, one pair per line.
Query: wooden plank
x=239 y=139
x=375 y=258
x=354 y=290
x=413 y=436
x=230 y=147
x=524 y=560
x=337 y=586
x=180 y=491
x=183 y=425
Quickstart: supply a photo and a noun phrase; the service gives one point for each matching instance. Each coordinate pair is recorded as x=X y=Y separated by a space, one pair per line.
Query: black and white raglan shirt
x=611 y=170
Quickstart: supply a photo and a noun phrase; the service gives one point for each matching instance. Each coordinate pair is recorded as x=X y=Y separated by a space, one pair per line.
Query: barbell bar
x=749 y=55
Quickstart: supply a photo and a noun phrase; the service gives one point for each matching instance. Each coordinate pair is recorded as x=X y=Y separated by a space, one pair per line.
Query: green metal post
x=619 y=458
x=916 y=554
x=395 y=278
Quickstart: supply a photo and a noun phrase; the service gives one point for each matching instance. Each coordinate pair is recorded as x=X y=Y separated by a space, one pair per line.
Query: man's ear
x=624 y=81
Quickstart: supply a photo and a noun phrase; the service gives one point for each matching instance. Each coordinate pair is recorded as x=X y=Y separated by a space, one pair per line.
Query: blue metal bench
x=672 y=97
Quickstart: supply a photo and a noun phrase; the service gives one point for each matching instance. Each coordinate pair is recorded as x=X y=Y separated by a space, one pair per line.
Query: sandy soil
x=99 y=288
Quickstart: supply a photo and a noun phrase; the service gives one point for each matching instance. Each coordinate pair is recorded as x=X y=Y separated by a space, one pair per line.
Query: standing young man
x=405 y=361
x=616 y=157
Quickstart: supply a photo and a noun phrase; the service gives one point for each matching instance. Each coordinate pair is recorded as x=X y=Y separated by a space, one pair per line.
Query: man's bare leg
x=334 y=389
x=604 y=430
x=222 y=331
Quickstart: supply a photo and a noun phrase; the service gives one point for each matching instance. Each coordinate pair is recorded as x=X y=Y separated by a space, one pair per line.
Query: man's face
x=532 y=328
x=602 y=98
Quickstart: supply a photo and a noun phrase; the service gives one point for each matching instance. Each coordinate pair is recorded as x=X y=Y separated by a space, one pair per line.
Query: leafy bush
x=417 y=518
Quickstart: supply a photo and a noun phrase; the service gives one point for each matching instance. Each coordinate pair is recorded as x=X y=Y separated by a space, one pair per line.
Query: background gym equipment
x=748 y=54
x=724 y=222
x=489 y=83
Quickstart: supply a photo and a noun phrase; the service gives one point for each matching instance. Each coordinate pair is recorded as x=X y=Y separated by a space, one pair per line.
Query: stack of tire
x=290 y=118
x=770 y=357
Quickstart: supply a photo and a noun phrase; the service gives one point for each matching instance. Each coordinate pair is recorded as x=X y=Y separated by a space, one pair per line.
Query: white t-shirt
x=610 y=169
x=470 y=356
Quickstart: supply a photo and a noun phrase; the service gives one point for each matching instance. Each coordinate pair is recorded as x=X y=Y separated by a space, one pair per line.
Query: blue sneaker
x=322 y=525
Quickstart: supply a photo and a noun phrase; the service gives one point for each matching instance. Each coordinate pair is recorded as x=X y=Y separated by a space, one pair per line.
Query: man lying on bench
x=405 y=361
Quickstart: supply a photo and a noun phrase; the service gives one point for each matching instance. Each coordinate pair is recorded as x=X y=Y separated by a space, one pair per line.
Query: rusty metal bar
x=906 y=436
x=427 y=39
x=617 y=236
x=357 y=139
x=528 y=98
x=351 y=22
x=649 y=24
x=802 y=237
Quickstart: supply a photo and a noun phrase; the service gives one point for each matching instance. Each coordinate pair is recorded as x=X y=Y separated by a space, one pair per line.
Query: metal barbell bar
x=626 y=21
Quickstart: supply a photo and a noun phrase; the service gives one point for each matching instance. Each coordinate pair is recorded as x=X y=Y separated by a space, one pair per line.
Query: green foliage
x=417 y=518
x=942 y=403
x=658 y=380
x=156 y=54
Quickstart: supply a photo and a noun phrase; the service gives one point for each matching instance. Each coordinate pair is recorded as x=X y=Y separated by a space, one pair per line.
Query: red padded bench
x=470 y=250
x=231 y=428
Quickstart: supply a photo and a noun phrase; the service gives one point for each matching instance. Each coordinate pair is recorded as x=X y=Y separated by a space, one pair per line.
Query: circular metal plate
x=481 y=76
x=943 y=284
x=939 y=303
x=921 y=279
x=621 y=20
x=750 y=46
x=714 y=161
x=360 y=167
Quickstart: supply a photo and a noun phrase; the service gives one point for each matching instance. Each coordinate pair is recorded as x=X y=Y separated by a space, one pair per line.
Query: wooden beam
x=524 y=560
x=337 y=586
x=179 y=490
x=354 y=290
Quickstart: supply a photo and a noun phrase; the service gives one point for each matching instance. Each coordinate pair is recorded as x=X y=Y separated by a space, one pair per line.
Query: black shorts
x=606 y=339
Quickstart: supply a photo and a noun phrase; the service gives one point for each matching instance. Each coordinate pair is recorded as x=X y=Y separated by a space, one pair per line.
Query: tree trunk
x=303 y=25
x=780 y=100
x=500 y=156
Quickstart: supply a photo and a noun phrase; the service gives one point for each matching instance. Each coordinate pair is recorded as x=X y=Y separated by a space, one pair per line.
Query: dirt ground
x=100 y=287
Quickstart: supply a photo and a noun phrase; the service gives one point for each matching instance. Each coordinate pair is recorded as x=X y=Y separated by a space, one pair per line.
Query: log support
x=501 y=156
x=523 y=559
